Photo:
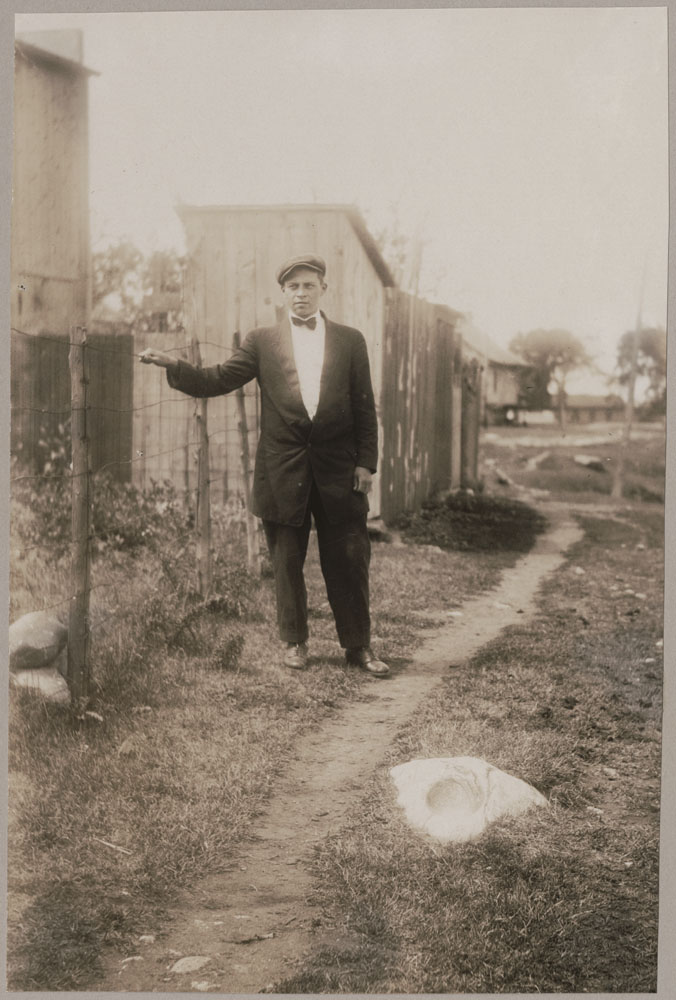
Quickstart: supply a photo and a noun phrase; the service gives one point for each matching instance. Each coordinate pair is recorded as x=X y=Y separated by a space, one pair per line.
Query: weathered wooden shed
x=230 y=286
x=50 y=261
x=50 y=197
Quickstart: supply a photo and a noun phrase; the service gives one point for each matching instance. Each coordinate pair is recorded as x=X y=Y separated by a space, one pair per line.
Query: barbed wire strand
x=122 y=352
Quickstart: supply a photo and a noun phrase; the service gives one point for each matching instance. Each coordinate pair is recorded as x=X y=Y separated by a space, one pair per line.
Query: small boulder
x=591 y=462
x=35 y=641
x=456 y=798
x=48 y=682
x=191 y=963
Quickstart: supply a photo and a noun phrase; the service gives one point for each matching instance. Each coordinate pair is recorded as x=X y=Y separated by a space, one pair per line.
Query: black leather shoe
x=365 y=660
x=296 y=655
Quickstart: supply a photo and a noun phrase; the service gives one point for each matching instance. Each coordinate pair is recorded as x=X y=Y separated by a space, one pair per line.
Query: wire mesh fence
x=104 y=456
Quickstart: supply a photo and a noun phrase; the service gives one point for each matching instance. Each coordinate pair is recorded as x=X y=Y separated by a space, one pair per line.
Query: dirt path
x=252 y=924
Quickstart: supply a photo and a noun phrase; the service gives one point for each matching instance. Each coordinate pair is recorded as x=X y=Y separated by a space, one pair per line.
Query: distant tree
x=117 y=271
x=144 y=291
x=552 y=356
x=651 y=363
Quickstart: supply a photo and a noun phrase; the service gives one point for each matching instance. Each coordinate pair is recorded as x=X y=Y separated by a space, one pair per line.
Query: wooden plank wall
x=41 y=404
x=417 y=403
x=109 y=401
x=39 y=397
x=50 y=225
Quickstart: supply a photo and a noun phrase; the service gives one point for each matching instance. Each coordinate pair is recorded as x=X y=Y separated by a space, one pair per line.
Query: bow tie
x=311 y=323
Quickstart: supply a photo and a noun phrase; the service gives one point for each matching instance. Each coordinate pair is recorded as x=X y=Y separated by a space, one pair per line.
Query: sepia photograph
x=337 y=474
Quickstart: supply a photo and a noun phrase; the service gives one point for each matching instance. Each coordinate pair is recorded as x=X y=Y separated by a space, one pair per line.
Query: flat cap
x=310 y=260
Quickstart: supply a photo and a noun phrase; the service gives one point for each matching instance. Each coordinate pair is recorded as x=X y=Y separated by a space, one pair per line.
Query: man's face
x=302 y=291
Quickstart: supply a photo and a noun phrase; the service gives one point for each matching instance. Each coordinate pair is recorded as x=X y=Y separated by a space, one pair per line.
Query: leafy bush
x=123 y=517
x=469 y=522
x=127 y=518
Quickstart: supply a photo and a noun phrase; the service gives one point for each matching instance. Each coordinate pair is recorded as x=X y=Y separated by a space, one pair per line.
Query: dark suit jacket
x=293 y=451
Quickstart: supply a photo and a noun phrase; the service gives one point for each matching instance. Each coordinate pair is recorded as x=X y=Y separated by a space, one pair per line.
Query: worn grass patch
x=559 y=900
x=541 y=459
x=109 y=819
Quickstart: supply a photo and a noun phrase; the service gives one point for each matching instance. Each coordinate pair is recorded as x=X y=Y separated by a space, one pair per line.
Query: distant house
x=501 y=389
x=594 y=409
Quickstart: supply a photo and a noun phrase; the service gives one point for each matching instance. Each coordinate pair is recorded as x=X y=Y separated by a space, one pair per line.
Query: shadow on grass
x=474 y=523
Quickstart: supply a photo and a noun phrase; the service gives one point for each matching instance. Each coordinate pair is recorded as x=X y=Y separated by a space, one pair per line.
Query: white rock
x=190 y=964
x=200 y=986
x=48 y=682
x=590 y=461
x=35 y=641
x=578 y=571
x=455 y=798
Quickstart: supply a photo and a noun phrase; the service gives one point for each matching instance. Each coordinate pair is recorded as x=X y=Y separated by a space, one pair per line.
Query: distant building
x=594 y=409
x=501 y=387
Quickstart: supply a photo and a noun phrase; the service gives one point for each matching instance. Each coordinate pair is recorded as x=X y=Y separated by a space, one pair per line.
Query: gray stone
x=591 y=462
x=456 y=798
x=48 y=682
x=35 y=641
x=190 y=963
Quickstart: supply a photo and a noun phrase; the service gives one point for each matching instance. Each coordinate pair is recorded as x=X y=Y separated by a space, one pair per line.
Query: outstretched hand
x=362 y=480
x=152 y=357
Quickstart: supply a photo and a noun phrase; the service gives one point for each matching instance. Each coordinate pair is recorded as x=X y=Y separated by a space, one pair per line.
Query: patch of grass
x=558 y=900
x=199 y=718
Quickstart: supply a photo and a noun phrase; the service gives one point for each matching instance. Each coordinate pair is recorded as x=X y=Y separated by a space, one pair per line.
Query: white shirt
x=308 y=352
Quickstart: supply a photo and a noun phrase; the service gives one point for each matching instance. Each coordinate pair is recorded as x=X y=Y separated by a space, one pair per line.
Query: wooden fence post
x=78 y=623
x=252 y=551
x=471 y=416
x=203 y=512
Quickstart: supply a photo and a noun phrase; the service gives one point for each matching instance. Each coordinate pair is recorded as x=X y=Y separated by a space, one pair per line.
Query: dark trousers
x=344 y=556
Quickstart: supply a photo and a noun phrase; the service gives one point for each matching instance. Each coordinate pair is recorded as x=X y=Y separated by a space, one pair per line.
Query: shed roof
x=482 y=344
x=37 y=54
x=351 y=211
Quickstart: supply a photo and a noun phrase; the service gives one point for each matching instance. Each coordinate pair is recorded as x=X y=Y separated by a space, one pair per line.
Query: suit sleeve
x=217 y=380
x=364 y=407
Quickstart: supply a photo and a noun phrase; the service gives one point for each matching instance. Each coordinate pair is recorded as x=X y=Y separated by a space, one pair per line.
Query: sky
x=526 y=148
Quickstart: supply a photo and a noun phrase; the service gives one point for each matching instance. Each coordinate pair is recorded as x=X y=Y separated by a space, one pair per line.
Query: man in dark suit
x=316 y=454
